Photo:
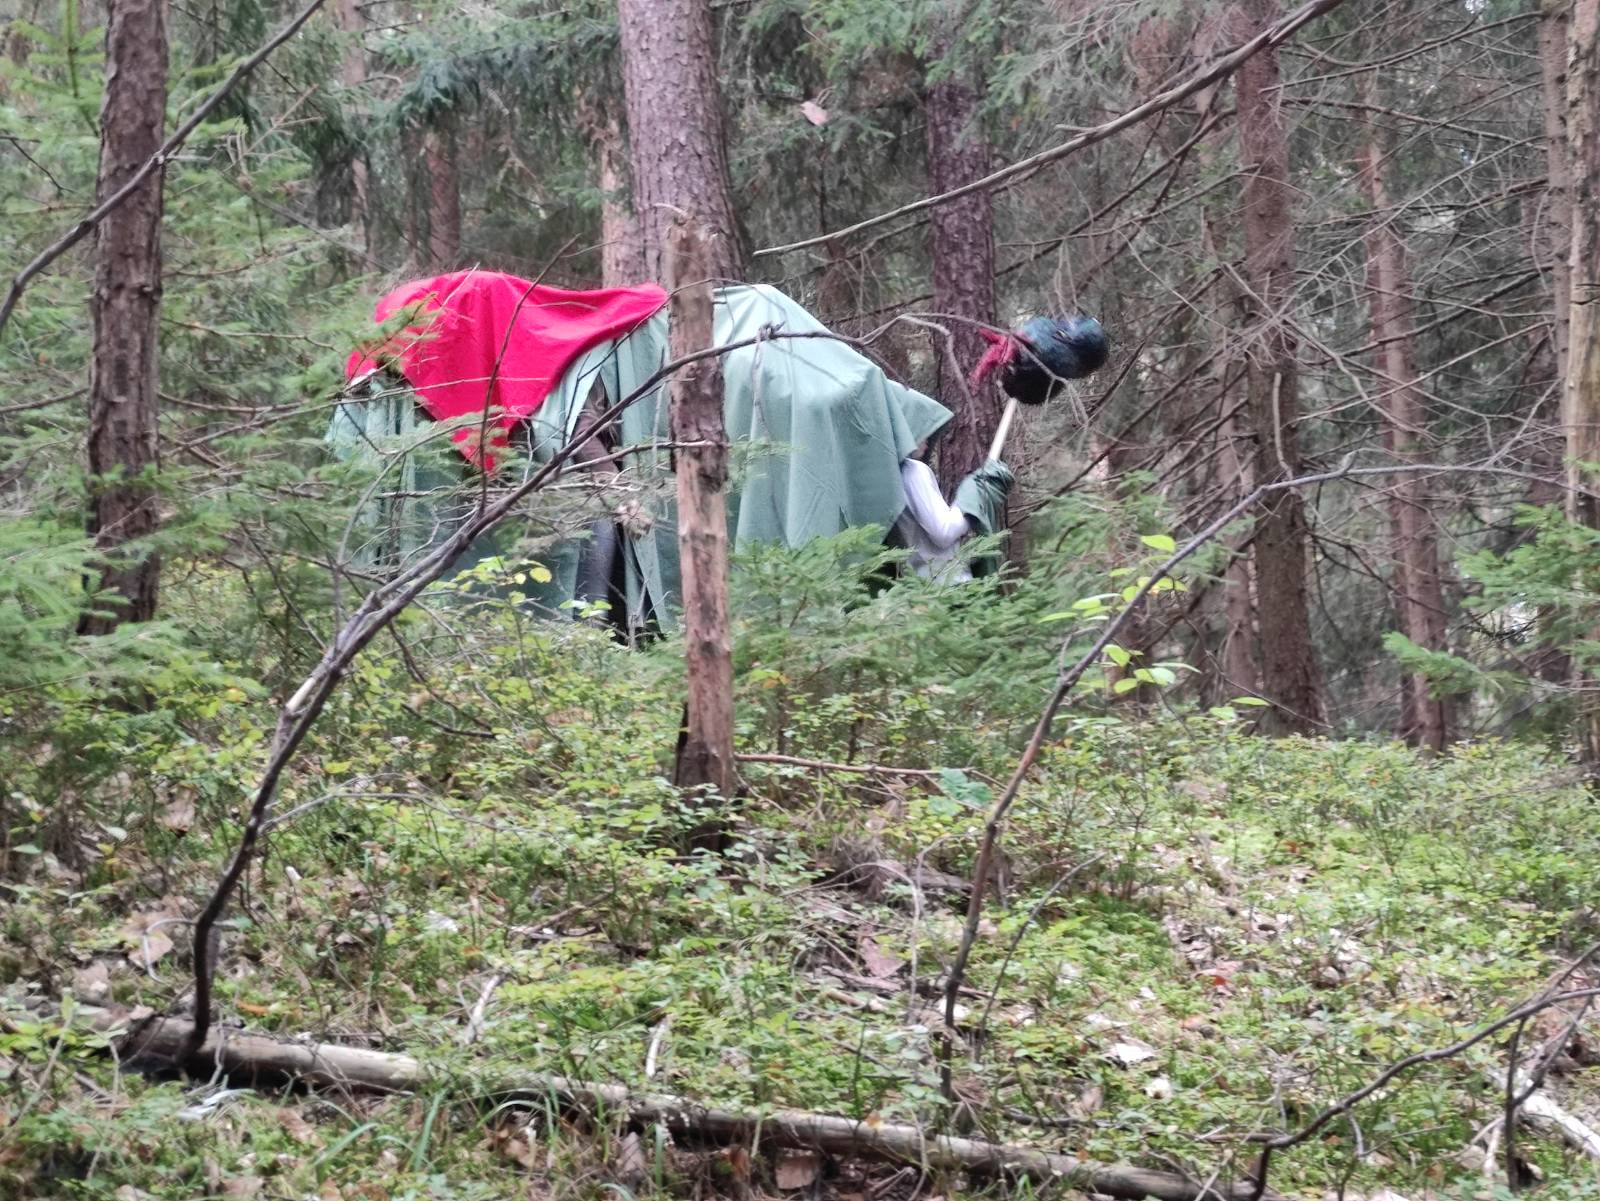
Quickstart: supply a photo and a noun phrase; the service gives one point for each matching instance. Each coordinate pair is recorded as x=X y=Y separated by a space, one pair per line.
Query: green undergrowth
x=1198 y=933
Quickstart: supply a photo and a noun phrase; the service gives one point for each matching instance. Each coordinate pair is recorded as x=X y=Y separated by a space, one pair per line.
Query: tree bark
x=444 y=193
x=705 y=754
x=353 y=74
x=679 y=154
x=1580 y=398
x=1237 y=658
x=1291 y=679
x=1417 y=582
x=1556 y=244
x=123 y=312
x=621 y=250
x=963 y=265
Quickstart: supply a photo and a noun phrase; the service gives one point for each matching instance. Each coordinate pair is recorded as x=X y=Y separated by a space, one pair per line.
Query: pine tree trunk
x=705 y=752
x=444 y=193
x=1420 y=591
x=963 y=270
x=621 y=252
x=1241 y=674
x=679 y=154
x=1580 y=409
x=1557 y=242
x=1237 y=656
x=1291 y=678
x=123 y=312
x=353 y=74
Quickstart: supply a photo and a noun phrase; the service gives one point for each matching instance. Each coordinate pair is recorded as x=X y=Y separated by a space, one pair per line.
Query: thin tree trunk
x=705 y=753
x=1556 y=245
x=1121 y=456
x=621 y=251
x=1237 y=656
x=444 y=193
x=123 y=312
x=963 y=267
x=1291 y=678
x=1420 y=591
x=1580 y=408
x=1240 y=670
x=353 y=74
x=679 y=157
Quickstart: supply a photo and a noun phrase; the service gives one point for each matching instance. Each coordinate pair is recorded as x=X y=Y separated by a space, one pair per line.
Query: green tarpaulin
x=819 y=428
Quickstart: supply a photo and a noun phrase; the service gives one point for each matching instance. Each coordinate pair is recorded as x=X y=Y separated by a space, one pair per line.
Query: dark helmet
x=1051 y=351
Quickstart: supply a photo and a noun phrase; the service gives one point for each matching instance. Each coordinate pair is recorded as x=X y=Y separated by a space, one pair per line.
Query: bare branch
x=1221 y=68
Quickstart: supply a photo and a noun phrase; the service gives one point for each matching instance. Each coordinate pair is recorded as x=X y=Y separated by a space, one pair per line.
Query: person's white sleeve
x=944 y=525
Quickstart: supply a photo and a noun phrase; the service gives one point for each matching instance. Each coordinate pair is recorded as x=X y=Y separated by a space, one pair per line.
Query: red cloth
x=487 y=340
x=1002 y=349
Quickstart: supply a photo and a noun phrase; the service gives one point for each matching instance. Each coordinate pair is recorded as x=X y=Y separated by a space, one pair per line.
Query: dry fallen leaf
x=507 y=1142
x=1129 y=1051
x=242 y=1186
x=797 y=1169
x=1088 y=1102
x=179 y=816
x=814 y=112
x=295 y=1125
x=878 y=962
x=93 y=983
x=147 y=945
x=631 y=1168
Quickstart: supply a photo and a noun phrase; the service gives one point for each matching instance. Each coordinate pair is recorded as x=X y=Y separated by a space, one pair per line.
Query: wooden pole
x=1004 y=430
x=705 y=752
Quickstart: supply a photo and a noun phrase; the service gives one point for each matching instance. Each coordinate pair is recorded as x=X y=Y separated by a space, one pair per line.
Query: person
x=932 y=528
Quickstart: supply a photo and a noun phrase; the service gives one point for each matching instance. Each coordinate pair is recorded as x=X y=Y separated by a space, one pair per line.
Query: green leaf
x=1160 y=542
x=1118 y=656
x=1250 y=700
x=1126 y=684
x=958 y=787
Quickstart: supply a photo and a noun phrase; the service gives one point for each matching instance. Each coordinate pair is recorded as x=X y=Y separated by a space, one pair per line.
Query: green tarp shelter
x=819 y=433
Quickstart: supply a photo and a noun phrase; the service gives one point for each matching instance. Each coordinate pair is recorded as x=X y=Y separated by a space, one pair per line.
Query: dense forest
x=540 y=656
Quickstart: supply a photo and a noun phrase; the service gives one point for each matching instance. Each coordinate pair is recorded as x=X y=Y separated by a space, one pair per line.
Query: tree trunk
x=1580 y=398
x=353 y=74
x=963 y=268
x=123 y=312
x=705 y=754
x=1236 y=659
x=1241 y=674
x=444 y=193
x=675 y=126
x=621 y=251
x=1557 y=242
x=1418 y=587
x=1290 y=675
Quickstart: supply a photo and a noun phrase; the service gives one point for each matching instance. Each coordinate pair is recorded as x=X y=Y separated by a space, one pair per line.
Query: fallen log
x=327 y=1065
x=1540 y=1110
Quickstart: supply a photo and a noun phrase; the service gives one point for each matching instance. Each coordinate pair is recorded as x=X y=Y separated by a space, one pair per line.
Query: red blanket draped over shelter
x=483 y=340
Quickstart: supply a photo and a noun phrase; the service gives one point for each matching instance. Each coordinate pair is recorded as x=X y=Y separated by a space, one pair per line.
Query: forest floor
x=1254 y=929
